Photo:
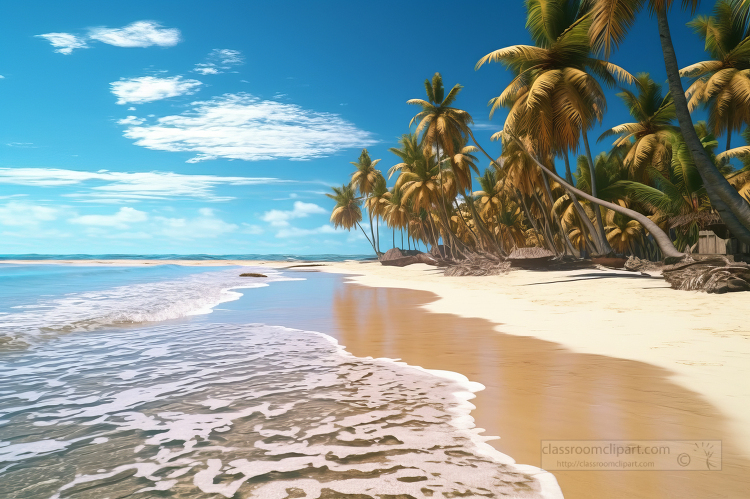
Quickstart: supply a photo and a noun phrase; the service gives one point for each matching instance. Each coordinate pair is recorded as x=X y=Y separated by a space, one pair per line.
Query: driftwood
x=716 y=275
x=478 y=265
x=395 y=257
x=610 y=261
x=635 y=264
x=252 y=274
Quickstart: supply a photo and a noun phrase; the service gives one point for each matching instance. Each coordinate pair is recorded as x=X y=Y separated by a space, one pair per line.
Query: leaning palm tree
x=723 y=83
x=650 y=137
x=612 y=20
x=347 y=212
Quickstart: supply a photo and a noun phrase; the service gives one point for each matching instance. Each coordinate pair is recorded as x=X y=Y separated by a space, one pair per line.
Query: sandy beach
x=586 y=354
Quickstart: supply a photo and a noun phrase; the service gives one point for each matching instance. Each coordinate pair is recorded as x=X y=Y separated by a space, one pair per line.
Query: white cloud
x=289 y=232
x=24 y=214
x=241 y=126
x=23 y=145
x=2 y=77
x=252 y=229
x=280 y=218
x=151 y=88
x=219 y=61
x=207 y=225
x=120 y=220
x=122 y=186
x=137 y=34
x=130 y=120
x=65 y=43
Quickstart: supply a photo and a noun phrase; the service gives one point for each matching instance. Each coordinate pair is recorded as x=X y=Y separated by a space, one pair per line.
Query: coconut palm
x=680 y=191
x=723 y=83
x=376 y=205
x=347 y=212
x=612 y=20
x=649 y=138
x=364 y=179
x=396 y=213
x=555 y=95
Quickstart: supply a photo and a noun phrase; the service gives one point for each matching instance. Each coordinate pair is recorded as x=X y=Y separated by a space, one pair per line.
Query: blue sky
x=216 y=127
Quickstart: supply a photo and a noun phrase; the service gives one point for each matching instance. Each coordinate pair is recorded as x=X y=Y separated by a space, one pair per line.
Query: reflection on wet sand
x=536 y=390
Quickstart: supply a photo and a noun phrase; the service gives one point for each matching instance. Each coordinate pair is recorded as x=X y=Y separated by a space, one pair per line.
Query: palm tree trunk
x=662 y=239
x=729 y=138
x=733 y=209
x=597 y=211
x=492 y=160
x=582 y=215
x=563 y=233
x=568 y=175
x=547 y=223
x=372 y=232
x=368 y=239
x=532 y=221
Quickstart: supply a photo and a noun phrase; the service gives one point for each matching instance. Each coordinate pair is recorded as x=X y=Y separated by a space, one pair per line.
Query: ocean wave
x=128 y=305
x=254 y=411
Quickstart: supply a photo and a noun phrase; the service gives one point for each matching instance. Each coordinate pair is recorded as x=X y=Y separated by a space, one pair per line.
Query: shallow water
x=192 y=407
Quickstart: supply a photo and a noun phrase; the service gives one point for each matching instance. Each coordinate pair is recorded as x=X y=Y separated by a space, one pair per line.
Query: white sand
x=704 y=339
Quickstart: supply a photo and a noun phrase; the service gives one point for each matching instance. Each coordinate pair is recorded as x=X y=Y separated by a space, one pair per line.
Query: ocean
x=160 y=381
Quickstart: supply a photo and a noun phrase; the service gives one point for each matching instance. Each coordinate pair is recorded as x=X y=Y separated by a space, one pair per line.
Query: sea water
x=112 y=386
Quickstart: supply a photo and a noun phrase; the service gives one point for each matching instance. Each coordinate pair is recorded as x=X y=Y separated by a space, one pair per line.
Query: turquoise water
x=274 y=257
x=160 y=381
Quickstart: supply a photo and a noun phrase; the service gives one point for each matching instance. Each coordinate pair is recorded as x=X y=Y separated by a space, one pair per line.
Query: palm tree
x=396 y=213
x=679 y=191
x=662 y=239
x=347 y=212
x=376 y=204
x=722 y=84
x=445 y=129
x=364 y=179
x=555 y=95
x=611 y=21
x=650 y=137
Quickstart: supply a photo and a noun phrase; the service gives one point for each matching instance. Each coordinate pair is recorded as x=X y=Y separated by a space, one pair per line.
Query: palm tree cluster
x=659 y=184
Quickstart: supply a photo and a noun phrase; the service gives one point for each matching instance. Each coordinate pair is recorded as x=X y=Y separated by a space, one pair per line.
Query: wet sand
x=536 y=390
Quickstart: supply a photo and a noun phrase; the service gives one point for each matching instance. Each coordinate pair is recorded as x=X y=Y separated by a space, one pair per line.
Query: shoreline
x=702 y=339
x=698 y=346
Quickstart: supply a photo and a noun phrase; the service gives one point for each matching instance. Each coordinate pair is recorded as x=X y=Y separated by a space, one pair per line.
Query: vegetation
x=661 y=182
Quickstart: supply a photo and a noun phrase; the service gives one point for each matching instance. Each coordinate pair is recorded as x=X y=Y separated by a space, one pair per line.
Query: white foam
x=218 y=409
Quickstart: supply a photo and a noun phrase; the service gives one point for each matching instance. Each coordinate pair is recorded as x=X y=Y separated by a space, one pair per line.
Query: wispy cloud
x=151 y=88
x=137 y=34
x=241 y=126
x=280 y=218
x=207 y=225
x=219 y=61
x=65 y=43
x=289 y=232
x=22 y=145
x=25 y=214
x=121 y=186
x=122 y=219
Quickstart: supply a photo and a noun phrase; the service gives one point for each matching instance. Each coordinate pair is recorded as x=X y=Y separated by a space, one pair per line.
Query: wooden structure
x=711 y=244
